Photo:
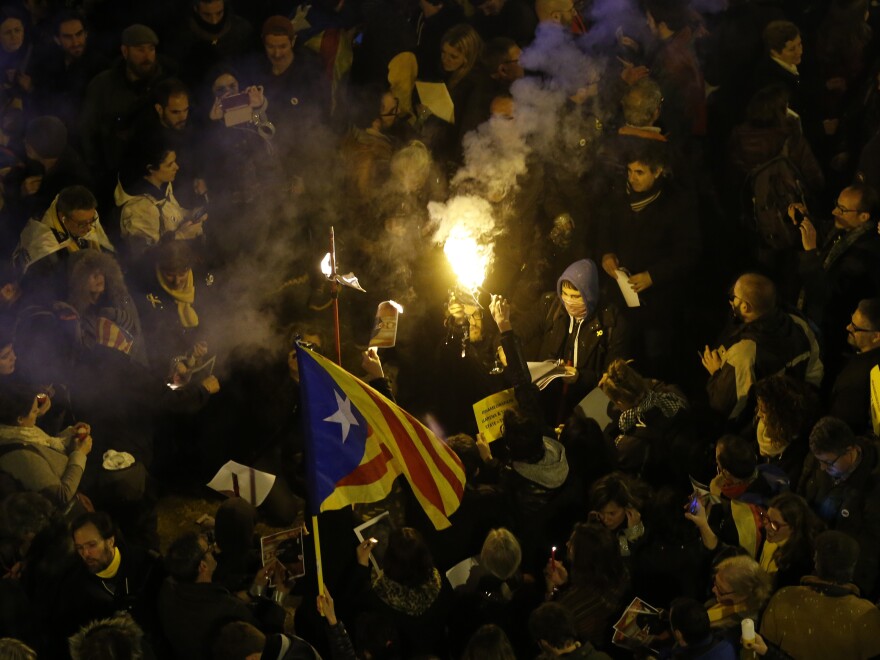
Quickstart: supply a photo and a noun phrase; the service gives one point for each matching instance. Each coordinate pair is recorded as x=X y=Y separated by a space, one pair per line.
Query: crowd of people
x=679 y=199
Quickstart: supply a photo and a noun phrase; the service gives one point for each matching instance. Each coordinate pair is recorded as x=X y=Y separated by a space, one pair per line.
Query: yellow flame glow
x=469 y=259
x=325 y=265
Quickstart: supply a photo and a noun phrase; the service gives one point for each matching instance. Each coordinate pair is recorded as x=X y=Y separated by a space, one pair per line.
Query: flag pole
x=318 y=564
x=334 y=294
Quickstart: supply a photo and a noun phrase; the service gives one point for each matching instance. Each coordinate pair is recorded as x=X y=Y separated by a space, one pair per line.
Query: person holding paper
x=649 y=241
x=573 y=326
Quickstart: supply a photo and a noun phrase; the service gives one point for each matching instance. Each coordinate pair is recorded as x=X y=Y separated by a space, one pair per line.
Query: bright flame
x=325 y=265
x=468 y=259
x=396 y=306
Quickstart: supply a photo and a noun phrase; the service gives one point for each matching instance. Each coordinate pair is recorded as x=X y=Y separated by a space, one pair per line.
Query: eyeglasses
x=393 y=112
x=831 y=464
x=770 y=523
x=842 y=209
x=718 y=591
x=856 y=328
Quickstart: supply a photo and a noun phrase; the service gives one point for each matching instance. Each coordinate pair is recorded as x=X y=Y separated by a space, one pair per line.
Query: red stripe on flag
x=454 y=482
x=421 y=474
x=369 y=472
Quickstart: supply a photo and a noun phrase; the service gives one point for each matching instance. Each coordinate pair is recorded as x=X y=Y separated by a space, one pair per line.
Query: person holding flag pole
x=358 y=441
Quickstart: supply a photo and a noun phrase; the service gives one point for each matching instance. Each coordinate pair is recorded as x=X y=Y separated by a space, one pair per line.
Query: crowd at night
x=671 y=204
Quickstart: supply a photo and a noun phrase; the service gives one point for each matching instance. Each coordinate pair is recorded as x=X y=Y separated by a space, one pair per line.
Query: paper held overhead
x=435 y=97
x=384 y=334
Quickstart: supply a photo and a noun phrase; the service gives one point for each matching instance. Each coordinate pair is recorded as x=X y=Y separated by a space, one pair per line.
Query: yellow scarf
x=768 y=556
x=719 y=612
x=184 y=299
x=113 y=568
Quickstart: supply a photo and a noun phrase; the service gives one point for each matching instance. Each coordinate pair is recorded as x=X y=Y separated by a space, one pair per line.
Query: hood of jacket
x=585 y=277
x=551 y=471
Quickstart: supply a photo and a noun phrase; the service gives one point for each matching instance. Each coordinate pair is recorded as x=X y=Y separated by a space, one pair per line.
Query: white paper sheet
x=253 y=485
x=629 y=294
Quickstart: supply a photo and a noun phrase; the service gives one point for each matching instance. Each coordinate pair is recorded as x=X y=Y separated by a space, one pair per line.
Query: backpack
x=772 y=186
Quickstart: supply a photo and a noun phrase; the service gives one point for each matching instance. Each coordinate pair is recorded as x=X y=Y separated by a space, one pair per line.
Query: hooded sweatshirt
x=584 y=275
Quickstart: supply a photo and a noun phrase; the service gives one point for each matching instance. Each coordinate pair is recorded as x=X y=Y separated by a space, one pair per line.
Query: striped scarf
x=668 y=403
x=640 y=201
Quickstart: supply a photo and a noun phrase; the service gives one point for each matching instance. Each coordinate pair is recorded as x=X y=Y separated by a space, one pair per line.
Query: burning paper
x=384 y=333
x=349 y=279
x=467 y=231
x=469 y=259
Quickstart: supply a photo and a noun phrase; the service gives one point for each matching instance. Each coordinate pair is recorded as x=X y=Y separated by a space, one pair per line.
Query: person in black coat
x=843 y=269
x=650 y=232
x=850 y=396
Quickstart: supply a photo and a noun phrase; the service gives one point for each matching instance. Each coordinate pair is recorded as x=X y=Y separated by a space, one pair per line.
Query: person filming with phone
x=838 y=267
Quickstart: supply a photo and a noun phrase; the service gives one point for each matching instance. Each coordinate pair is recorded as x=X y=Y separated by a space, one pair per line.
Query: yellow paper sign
x=875 y=399
x=490 y=413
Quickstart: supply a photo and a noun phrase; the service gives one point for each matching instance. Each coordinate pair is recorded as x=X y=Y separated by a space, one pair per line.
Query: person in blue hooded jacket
x=570 y=324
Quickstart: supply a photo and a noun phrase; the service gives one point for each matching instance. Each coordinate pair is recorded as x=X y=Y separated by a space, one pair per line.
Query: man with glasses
x=764 y=341
x=71 y=224
x=842 y=269
x=192 y=607
x=850 y=397
x=841 y=482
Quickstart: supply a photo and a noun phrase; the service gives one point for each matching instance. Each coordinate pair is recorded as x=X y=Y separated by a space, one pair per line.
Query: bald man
x=765 y=340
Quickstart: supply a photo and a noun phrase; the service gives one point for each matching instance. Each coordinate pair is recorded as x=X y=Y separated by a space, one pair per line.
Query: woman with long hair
x=595 y=583
x=786 y=410
x=790 y=526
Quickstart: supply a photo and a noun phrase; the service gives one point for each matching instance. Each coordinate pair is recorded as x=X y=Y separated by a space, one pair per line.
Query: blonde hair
x=464 y=38
x=411 y=165
x=501 y=554
x=747 y=578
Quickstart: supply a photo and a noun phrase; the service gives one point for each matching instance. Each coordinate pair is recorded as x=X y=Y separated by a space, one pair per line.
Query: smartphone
x=694 y=504
x=235 y=101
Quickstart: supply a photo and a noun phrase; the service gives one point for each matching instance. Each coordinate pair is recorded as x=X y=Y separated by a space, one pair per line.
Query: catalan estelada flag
x=358 y=442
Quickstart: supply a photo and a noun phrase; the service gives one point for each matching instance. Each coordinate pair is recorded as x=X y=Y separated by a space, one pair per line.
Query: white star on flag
x=343 y=415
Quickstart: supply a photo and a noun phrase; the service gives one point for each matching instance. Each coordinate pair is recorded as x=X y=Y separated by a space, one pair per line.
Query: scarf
x=184 y=299
x=718 y=612
x=768 y=556
x=33 y=435
x=575 y=310
x=639 y=201
x=412 y=601
x=113 y=568
x=668 y=403
x=766 y=445
x=843 y=241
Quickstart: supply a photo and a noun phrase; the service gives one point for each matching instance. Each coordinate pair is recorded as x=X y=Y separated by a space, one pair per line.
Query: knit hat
x=138 y=35
x=47 y=136
x=279 y=25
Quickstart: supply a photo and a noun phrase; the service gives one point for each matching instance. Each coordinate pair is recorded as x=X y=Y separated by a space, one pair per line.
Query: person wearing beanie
x=51 y=166
x=116 y=96
x=573 y=326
